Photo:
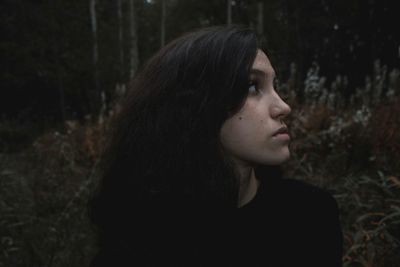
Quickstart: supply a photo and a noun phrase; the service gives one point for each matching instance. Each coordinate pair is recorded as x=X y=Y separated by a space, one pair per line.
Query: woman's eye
x=253 y=87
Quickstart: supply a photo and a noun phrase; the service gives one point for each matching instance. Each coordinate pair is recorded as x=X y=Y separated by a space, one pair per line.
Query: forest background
x=65 y=65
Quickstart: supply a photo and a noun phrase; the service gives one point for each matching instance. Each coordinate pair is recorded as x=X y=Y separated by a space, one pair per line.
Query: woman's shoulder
x=305 y=222
x=299 y=194
x=274 y=183
x=303 y=189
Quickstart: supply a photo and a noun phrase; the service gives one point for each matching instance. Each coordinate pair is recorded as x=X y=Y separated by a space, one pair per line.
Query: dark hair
x=164 y=148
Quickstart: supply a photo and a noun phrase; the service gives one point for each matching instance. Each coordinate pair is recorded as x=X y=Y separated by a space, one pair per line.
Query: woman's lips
x=281 y=136
x=282 y=133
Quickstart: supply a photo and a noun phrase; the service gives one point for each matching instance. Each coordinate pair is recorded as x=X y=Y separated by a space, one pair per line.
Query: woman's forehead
x=262 y=63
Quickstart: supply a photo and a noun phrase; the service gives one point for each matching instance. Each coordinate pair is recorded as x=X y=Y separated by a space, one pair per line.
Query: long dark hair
x=164 y=147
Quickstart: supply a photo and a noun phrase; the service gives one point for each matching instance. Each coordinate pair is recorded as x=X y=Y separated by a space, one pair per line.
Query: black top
x=294 y=223
x=288 y=223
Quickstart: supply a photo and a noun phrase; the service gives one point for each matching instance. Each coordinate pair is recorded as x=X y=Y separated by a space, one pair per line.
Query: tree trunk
x=163 y=15
x=134 y=61
x=57 y=51
x=61 y=94
x=229 y=12
x=94 y=93
x=120 y=39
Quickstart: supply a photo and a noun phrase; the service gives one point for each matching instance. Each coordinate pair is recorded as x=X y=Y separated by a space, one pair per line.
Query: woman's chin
x=279 y=158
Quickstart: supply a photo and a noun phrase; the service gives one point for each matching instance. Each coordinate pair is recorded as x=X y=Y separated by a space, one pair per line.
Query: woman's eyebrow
x=262 y=73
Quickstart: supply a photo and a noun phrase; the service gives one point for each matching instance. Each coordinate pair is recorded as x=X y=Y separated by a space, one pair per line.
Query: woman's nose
x=281 y=109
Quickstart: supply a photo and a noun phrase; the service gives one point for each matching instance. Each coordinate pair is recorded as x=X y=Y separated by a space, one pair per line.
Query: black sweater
x=288 y=223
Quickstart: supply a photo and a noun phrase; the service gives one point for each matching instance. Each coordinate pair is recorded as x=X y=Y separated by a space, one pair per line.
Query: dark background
x=46 y=46
x=338 y=66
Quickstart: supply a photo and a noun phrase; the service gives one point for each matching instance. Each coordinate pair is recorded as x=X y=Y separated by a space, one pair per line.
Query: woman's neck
x=248 y=185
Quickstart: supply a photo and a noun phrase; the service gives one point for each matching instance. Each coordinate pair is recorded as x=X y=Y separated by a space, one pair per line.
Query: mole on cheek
x=240 y=118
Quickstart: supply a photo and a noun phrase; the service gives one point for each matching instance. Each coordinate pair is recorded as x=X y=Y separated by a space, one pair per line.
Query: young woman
x=191 y=175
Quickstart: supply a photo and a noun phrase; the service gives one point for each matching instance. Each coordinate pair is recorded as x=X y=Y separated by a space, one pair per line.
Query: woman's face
x=250 y=136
